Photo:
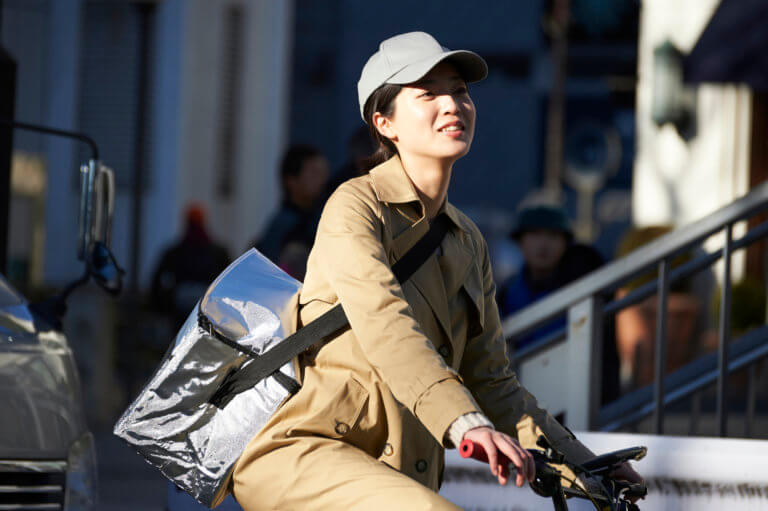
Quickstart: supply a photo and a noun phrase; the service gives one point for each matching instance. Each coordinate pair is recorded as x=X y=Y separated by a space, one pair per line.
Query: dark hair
x=383 y=101
x=293 y=161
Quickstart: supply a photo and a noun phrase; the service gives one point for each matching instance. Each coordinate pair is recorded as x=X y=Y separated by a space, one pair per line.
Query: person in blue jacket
x=290 y=232
x=551 y=260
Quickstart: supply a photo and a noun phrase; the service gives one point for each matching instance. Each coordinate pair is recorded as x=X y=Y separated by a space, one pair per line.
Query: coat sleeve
x=349 y=249
x=486 y=371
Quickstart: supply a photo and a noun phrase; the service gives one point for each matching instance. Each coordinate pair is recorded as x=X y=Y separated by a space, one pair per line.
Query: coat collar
x=392 y=185
x=436 y=283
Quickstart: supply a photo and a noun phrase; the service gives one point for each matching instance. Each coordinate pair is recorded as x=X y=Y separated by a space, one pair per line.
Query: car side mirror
x=97 y=204
x=104 y=269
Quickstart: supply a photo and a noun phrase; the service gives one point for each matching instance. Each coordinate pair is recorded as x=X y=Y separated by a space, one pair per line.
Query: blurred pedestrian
x=551 y=260
x=187 y=268
x=291 y=230
x=360 y=147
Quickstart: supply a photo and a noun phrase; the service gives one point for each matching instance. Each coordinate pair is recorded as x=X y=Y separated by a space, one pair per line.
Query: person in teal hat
x=552 y=260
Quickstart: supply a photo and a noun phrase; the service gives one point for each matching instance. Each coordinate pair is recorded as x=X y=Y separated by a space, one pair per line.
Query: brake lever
x=553 y=455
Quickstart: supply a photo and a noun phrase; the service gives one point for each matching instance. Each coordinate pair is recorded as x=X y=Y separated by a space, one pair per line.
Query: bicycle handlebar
x=607 y=461
x=599 y=465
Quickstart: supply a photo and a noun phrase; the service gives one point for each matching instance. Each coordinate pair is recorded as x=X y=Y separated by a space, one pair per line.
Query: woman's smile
x=453 y=129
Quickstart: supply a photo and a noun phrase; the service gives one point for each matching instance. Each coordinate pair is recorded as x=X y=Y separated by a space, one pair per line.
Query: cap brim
x=470 y=66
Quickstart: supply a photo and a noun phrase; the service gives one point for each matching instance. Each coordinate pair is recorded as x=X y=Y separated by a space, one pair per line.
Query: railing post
x=695 y=413
x=660 y=359
x=585 y=355
x=725 y=334
x=749 y=419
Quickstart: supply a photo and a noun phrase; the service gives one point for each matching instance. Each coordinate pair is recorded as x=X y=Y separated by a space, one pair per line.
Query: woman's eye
x=426 y=94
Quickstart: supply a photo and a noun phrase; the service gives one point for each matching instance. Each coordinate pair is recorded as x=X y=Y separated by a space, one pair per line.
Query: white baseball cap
x=406 y=58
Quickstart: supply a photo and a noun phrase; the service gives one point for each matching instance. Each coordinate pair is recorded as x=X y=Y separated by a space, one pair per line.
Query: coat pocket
x=338 y=416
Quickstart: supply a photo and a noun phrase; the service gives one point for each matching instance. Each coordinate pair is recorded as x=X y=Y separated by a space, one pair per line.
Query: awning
x=733 y=46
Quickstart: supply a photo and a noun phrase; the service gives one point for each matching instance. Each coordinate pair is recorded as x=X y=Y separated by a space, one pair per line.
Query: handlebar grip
x=470 y=449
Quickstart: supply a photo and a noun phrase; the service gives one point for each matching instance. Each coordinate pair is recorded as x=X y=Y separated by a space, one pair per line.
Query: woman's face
x=433 y=117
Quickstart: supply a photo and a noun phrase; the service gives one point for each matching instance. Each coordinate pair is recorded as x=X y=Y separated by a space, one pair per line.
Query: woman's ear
x=384 y=126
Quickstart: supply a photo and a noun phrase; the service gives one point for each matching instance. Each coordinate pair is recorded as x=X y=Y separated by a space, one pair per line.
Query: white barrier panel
x=682 y=474
x=470 y=485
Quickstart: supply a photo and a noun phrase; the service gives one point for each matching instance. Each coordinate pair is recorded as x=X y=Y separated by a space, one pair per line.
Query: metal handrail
x=686 y=270
x=744 y=352
x=584 y=341
x=610 y=276
x=641 y=293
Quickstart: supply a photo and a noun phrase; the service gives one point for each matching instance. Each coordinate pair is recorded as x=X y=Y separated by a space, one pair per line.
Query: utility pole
x=7 y=103
x=553 y=160
x=145 y=12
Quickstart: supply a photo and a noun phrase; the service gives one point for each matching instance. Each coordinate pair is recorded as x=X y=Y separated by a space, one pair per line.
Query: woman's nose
x=448 y=104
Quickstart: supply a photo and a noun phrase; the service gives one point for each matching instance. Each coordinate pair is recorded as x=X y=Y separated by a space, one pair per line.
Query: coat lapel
x=463 y=266
x=428 y=279
x=437 y=279
x=457 y=265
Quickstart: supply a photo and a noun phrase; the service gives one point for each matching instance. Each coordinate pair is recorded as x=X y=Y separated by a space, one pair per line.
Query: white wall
x=160 y=218
x=185 y=114
x=264 y=120
x=681 y=474
x=674 y=181
x=677 y=182
x=263 y=115
x=60 y=263
x=187 y=119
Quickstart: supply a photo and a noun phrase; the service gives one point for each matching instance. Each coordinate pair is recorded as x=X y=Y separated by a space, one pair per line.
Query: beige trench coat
x=416 y=357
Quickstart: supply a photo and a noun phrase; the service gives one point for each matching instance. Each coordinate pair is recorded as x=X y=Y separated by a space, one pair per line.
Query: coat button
x=444 y=350
x=341 y=428
x=388 y=449
x=421 y=466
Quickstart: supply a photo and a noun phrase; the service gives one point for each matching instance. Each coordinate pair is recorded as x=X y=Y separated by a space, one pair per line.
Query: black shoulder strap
x=323 y=328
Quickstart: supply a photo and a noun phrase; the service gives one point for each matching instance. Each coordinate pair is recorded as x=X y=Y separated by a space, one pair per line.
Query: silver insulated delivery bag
x=232 y=365
x=174 y=423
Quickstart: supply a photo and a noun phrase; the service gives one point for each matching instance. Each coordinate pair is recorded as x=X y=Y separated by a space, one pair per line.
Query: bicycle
x=613 y=495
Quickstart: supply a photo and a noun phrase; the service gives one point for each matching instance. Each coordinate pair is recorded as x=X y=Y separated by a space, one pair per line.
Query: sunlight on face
x=434 y=117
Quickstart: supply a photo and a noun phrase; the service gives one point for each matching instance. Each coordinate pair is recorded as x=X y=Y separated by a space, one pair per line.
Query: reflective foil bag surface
x=171 y=423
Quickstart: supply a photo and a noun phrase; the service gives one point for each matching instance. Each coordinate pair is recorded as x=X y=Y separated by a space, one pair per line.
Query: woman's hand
x=494 y=442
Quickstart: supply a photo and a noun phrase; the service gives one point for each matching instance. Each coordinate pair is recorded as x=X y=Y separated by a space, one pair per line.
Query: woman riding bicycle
x=423 y=365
